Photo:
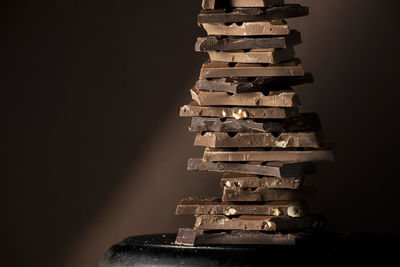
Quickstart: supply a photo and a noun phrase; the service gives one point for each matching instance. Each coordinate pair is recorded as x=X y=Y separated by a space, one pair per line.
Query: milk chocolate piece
x=265 y=194
x=286 y=98
x=283 y=140
x=252 y=14
x=245 y=181
x=303 y=122
x=214 y=4
x=212 y=154
x=268 y=55
x=274 y=169
x=191 y=237
x=194 y=110
x=214 y=69
x=212 y=43
x=248 y=85
x=274 y=27
x=256 y=223
x=215 y=207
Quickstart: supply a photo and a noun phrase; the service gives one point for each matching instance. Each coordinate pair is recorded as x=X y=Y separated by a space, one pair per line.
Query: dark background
x=95 y=151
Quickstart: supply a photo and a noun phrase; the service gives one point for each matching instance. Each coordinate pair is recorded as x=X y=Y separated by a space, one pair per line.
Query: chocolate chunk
x=215 y=207
x=211 y=69
x=191 y=237
x=245 y=181
x=208 y=43
x=212 y=154
x=194 y=110
x=275 y=27
x=252 y=14
x=256 y=223
x=283 y=140
x=248 y=85
x=265 y=194
x=267 y=55
x=286 y=98
x=302 y=122
x=214 y=4
x=274 y=169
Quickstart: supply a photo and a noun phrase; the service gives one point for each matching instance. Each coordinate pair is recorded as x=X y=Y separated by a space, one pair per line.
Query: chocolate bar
x=216 y=207
x=252 y=14
x=275 y=27
x=194 y=110
x=285 y=98
x=211 y=69
x=245 y=181
x=214 y=4
x=248 y=85
x=283 y=140
x=302 y=122
x=256 y=223
x=265 y=194
x=191 y=237
x=212 y=154
x=274 y=169
x=267 y=55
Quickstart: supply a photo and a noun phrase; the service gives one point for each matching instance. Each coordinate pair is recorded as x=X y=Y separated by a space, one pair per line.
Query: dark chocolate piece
x=267 y=55
x=246 y=181
x=212 y=43
x=248 y=85
x=214 y=4
x=252 y=14
x=303 y=122
x=212 y=69
x=273 y=27
x=265 y=194
x=274 y=169
x=216 y=207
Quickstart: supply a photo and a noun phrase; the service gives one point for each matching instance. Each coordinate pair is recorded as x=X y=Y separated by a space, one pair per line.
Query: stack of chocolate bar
x=246 y=114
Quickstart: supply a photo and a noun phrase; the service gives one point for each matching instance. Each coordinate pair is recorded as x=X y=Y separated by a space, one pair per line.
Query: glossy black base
x=324 y=249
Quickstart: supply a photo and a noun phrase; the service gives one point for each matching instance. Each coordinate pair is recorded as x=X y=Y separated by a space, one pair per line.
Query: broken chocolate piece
x=275 y=169
x=302 y=122
x=256 y=223
x=283 y=140
x=216 y=207
x=211 y=69
x=248 y=85
x=275 y=27
x=213 y=43
x=194 y=110
x=265 y=194
x=286 y=98
x=245 y=181
x=191 y=237
x=212 y=154
x=252 y=14
x=215 y=4
x=268 y=55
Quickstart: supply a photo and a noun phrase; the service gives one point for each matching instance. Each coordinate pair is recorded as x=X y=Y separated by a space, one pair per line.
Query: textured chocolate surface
x=247 y=181
x=275 y=27
x=265 y=194
x=268 y=55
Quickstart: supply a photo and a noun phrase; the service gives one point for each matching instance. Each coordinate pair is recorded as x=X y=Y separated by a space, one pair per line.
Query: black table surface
x=323 y=249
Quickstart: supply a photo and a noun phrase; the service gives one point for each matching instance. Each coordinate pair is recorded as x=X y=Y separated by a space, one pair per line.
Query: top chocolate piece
x=251 y=14
x=214 y=4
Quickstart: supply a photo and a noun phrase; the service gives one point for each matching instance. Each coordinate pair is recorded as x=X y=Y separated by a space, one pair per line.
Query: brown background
x=94 y=148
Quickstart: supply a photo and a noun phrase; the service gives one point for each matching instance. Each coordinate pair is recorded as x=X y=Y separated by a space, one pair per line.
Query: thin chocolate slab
x=215 y=207
x=213 y=43
x=194 y=110
x=191 y=237
x=268 y=55
x=284 y=98
x=302 y=122
x=245 y=181
x=214 y=4
x=256 y=223
x=274 y=169
x=214 y=69
x=252 y=14
x=275 y=27
x=283 y=140
x=265 y=194
x=212 y=154
x=248 y=85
